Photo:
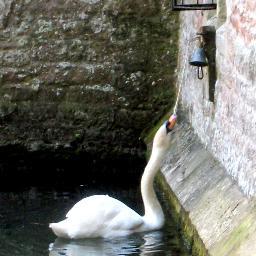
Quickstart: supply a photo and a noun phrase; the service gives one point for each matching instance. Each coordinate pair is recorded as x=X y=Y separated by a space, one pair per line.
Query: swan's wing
x=106 y=213
x=88 y=205
x=126 y=219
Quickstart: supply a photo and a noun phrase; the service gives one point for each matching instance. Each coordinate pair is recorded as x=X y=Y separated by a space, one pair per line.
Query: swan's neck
x=153 y=210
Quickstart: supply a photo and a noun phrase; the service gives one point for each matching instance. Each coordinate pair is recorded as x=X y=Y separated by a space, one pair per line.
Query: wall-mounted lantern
x=199 y=59
x=183 y=5
x=204 y=55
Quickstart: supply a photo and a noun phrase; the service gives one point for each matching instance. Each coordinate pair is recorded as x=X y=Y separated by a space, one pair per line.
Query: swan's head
x=162 y=139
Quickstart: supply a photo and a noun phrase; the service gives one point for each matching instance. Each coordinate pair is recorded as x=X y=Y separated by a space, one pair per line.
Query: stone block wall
x=216 y=217
x=85 y=75
x=226 y=125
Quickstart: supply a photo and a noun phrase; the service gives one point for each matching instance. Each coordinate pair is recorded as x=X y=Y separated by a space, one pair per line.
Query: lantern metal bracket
x=183 y=5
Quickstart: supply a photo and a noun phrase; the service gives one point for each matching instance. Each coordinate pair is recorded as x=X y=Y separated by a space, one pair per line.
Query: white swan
x=104 y=216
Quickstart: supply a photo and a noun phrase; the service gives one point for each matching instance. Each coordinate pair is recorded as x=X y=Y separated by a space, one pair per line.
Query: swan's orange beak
x=171 y=122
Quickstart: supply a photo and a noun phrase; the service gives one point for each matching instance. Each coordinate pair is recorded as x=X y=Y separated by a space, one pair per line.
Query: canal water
x=26 y=214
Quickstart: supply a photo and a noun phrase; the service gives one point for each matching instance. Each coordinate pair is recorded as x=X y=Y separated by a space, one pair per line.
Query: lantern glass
x=182 y=5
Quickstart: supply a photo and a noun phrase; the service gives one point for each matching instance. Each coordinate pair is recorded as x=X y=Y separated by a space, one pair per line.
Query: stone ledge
x=216 y=217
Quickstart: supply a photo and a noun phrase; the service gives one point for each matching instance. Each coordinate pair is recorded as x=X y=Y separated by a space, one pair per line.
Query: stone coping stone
x=221 y=215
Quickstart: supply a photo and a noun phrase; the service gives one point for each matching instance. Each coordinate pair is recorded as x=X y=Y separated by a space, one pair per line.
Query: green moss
x=181 y=218
x=236 y=238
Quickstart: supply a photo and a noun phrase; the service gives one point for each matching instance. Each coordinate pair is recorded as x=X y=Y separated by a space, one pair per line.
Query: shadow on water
x=20 y=168
x=25 y=216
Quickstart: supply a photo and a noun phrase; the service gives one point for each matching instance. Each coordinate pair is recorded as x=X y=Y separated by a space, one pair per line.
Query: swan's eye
x=167 y=123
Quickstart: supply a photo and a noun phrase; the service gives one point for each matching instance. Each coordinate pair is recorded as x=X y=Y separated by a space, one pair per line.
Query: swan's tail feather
x=59 y=230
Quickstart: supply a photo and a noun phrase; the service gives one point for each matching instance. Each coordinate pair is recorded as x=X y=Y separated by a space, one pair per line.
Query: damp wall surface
x=80 y=80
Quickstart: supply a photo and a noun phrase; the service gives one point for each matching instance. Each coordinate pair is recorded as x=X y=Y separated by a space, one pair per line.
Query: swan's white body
x=104 y=216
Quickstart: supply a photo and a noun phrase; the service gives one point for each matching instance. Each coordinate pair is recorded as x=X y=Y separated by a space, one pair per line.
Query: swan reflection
x=137 y=244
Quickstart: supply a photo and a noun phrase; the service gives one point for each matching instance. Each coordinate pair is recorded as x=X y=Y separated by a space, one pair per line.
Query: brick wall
x=227 y=125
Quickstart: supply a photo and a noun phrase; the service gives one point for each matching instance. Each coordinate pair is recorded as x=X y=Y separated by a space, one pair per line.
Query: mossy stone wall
x=84 y=76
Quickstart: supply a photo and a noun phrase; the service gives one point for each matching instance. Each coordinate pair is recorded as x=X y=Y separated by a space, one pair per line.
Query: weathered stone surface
x=227 y=125
x=96 y=70
x=211 y=166
x=221 y=214
x=5 y=8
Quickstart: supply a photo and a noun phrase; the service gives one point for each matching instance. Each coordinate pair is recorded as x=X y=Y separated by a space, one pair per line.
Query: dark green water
x=24 y=218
